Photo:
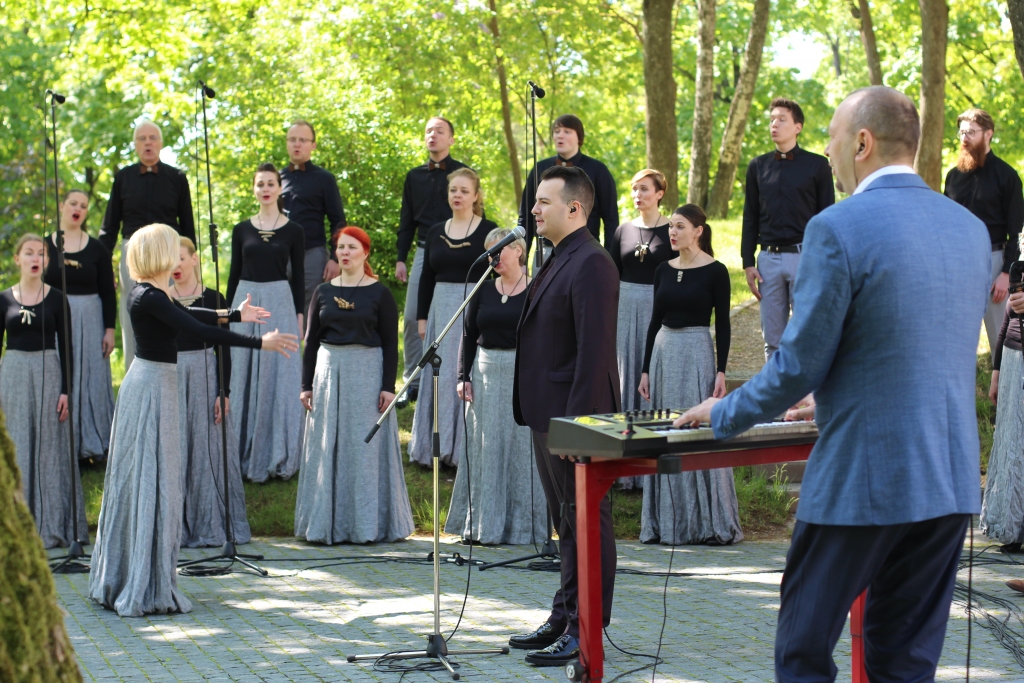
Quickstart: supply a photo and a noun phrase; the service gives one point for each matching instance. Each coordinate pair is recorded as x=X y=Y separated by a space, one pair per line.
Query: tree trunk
x=660 y=87
x=703 y=105
x=506 y=107
x=867 y=39
x=739 y=111
x=934 y=23
x=1016 y=12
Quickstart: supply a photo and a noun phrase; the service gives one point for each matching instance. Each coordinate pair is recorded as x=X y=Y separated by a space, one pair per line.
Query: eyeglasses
x=969 y=133
x=292 y=141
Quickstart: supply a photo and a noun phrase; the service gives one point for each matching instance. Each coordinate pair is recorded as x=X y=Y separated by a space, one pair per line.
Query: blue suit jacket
x=887 y=307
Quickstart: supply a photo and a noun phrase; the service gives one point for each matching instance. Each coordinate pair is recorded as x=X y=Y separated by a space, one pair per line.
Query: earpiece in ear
x=572 y=209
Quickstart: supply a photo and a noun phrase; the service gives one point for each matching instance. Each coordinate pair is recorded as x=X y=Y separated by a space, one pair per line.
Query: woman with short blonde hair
x=134 y=564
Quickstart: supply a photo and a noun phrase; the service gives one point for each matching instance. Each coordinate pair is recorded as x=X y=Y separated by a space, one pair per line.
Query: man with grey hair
x=886 y=340
x=143 y=193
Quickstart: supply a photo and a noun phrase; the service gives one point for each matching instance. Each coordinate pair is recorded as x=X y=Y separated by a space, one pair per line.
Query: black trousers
x=909 y=571
x=558 y=477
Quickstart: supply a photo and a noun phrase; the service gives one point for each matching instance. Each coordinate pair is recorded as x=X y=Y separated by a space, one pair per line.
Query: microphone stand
x=228 y=551
x=548 y=550
x=437 y=646
x=69 y=563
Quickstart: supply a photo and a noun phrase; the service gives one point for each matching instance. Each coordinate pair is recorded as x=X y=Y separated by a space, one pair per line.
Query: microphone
x=57 y=97
x=207 y=90
x=517 y=233
x=538 y=91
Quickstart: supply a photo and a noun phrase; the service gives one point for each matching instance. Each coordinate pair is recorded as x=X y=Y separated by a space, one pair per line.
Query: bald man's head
x=148 y=142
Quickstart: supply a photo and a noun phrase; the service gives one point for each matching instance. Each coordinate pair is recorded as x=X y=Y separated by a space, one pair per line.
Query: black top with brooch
x=491 y=322
x=36 y=328
x=264 y=255
x=89 y=271
x=367 y=316
x=638 y=251
x=448 y=260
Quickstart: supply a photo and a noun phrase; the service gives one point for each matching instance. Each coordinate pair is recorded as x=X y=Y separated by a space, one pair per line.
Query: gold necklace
x=343 y=304
x=187 y=299
x=679 y=271
x=267 y=234
x=504 y=296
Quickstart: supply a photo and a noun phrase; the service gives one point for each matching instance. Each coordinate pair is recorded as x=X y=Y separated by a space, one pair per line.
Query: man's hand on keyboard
x=697 y=414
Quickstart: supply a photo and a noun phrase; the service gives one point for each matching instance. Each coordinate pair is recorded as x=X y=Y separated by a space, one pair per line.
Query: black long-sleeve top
x=1009 y=336
x=783 y=195
x=424 y=202
x=142 y=195
x=213 y=300
x=367 y=316
x=157 y=320
x=448 y=260
x=606 y=197
x=89 y=271
x=993 y=194
x=264 y=255
x=688 y=301
x=490 y=324
x=623 y=248
x=310 y=195
x=39 y=328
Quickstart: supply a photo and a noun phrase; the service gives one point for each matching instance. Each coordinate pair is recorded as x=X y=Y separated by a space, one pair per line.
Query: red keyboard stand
x=595 y=478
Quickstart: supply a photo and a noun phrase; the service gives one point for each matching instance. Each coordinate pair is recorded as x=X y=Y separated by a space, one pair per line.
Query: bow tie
x=143 y=169
x=562 y=162
x=431 y=165
x=788 y=156
x=297 y=167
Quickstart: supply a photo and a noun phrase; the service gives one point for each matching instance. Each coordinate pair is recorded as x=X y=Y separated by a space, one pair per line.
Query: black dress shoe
x=542 y=637
x=558 y=653
x=413 y=394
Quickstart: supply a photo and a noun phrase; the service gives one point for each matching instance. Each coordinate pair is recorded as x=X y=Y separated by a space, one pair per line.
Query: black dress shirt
x=366 y=316
x=89 y=271
x=688 y=301
x=142 y=195
x=623 y=249
x=213 y=300
x=424 y=202
x=25 y=331
x=783 y=195
x=606 y=198
x=490 y=324
x=311 y=194
x=264 y=256
x=993 y=194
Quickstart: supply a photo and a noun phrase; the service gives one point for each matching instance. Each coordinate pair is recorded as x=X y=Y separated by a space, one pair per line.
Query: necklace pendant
x=504 y=298
x=679 y=276
x=26 y=316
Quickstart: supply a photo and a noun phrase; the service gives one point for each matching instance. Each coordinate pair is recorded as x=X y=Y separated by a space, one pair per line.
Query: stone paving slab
x=301 y=622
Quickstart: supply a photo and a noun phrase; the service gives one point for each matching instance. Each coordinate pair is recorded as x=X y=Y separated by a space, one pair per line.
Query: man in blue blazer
x=565 y=365
x=889 y=296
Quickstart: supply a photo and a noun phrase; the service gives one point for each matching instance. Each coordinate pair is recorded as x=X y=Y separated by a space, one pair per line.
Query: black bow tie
x=431 y=165
x=779 y=156
x=562 y=162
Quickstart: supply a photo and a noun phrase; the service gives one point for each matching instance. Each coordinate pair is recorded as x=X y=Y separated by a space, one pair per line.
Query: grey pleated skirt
x=447 y=297
x=29 y=391
x=134 y=564
x=690 y=507
x=92 y=392
x=350 y=491
x=1002 y=508
x=636 y=304
x=202 y=448
x=266 y=413
x=508 y=502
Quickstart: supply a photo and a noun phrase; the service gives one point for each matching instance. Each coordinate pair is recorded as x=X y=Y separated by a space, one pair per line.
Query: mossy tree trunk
x=33 y=643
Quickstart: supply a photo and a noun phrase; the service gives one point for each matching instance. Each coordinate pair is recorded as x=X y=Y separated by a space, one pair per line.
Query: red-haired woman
x=351 y=491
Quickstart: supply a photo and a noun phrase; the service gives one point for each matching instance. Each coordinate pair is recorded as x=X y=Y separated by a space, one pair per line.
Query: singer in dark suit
x=565 y=365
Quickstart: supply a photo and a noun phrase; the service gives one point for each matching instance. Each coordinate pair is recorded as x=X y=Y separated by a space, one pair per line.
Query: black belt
x=787 y=249
x=998 y=246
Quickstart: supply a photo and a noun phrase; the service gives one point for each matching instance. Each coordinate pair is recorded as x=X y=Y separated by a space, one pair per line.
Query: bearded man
x=990 y=189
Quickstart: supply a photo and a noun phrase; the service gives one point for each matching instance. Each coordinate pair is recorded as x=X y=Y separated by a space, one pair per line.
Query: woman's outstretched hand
x=280 y=342
x=252 y=314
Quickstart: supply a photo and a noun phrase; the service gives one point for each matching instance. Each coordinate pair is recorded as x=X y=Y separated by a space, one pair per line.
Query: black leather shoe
x=402 y=402
x=413 y=394
x=542 y=637
x=558 y=653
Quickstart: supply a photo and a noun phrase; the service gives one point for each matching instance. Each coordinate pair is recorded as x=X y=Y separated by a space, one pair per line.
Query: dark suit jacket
x=565 y=343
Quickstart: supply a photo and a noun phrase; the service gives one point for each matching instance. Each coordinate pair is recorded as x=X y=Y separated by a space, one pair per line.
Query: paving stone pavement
x=299 y=623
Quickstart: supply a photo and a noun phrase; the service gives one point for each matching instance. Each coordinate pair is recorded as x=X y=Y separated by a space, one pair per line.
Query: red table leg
x=860 y=674
x=589 y=492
